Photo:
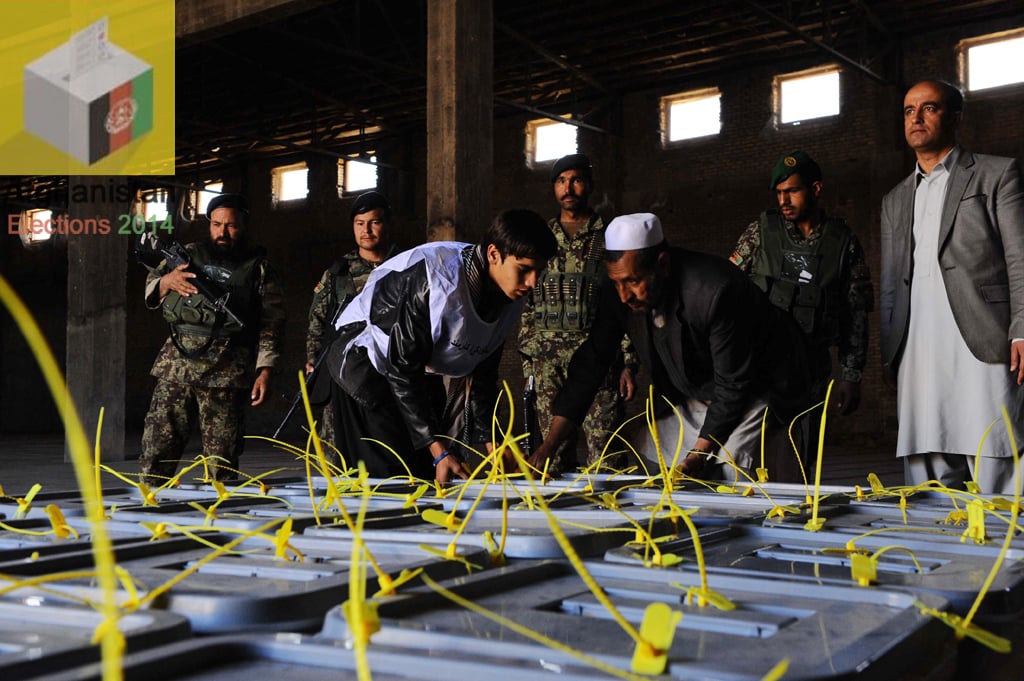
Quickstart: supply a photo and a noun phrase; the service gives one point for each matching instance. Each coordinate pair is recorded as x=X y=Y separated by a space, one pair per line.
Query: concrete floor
x=29 y=459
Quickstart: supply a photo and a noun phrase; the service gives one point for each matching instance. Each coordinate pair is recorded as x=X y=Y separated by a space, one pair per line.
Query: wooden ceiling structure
x=259 y=79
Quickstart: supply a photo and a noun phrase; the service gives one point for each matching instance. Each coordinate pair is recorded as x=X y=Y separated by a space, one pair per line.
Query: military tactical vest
x=190 y=316
x=803 y=278
x=567 y=301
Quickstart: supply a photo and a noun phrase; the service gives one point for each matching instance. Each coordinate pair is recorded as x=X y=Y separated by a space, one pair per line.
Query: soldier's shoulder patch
x=736 y=258
x=318 y=288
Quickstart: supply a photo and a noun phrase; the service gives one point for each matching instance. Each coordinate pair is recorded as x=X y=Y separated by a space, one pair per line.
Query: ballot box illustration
x=88 y=97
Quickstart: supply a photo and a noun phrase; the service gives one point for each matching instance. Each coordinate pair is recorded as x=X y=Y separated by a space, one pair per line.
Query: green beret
x=796 y=162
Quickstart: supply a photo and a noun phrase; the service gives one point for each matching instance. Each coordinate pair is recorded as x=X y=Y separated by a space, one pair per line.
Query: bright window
x=992 y=60
x=36 y=226
x=290 y=182
x=548 y=140
x=154 y=205
x=356 y=176
x=206 y=195
x=691 y=114
x=807 y=95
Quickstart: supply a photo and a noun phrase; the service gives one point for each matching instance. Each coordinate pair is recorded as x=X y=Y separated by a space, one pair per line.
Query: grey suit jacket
x=981 y=256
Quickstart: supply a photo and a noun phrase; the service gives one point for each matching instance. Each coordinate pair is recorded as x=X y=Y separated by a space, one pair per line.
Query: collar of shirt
x=946 y=165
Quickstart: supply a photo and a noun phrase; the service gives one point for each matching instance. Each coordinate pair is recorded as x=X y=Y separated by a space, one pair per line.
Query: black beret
x=236 y=201
x=796 y=162
x=572 y=162
x=369 y=201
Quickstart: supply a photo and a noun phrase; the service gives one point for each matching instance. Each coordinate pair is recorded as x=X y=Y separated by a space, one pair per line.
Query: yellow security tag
x=814 y=524
x=24 y=504
x=972 y=487
x=370 y=621
x=975 y=522
x=748 y=491
x=449 y=520
x=60 y=526
x=863 y=569
x=858 y=492
x=876 y=485
x=411 y=499
x=281 y=537
x=666 y=559
x=656 y=633
x=493 y=550
x=148 y=495
x=725 y=489
x=971 y=630
x=708 y=597
x=955 y=518
x=222 y=491
x=778 y=671
x=762 y=475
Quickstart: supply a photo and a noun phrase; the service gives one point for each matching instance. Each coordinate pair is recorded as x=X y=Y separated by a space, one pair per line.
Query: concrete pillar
x=460 y=119
x=96 y=324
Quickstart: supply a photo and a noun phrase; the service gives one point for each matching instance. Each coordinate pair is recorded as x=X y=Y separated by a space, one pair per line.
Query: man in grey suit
x=952 y=300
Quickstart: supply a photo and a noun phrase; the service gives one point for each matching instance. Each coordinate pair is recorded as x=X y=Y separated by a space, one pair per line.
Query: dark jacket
x=400 y=304
x=722 y=342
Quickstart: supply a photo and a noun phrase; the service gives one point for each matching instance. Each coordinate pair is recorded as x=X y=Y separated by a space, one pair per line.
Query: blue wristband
x=440 y=457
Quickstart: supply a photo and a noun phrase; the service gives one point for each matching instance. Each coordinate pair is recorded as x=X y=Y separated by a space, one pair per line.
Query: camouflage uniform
x=546 y=352
x=855 y=282
x=216 y=385
x=855 y=298
x=327 y=294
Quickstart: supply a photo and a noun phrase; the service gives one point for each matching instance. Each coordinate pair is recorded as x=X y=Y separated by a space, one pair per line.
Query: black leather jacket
x=401 y=305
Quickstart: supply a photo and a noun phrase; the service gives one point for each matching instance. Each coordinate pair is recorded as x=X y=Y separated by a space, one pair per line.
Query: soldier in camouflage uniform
x=813 y=266
x=371 y=225
x=558 y=316
x=211 y=367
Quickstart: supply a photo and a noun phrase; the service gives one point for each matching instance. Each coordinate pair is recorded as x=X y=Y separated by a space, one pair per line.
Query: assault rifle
x=161 y=257
x=317 y=384
x=529 y=417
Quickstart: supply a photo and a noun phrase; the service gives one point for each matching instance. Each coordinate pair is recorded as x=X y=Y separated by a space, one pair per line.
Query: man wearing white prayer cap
x=716 y=349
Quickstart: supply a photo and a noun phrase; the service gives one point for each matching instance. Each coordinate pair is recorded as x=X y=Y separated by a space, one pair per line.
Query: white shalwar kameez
x=946 y=398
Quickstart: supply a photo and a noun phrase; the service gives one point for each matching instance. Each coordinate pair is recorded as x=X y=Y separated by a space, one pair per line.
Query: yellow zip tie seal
x=60 y=526
x=24 y=504
x=975 y=522
x=656 y=631
x=449 y=520
x=864 y=569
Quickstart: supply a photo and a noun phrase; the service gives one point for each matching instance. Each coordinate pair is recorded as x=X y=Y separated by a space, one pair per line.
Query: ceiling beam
x=797 y=31
x=551 y=57
x=197 y=20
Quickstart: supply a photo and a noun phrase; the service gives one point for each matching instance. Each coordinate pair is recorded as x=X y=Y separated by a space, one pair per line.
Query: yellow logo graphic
x=89 y=87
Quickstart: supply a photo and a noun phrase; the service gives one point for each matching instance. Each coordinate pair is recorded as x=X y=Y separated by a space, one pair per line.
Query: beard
x=231 y=250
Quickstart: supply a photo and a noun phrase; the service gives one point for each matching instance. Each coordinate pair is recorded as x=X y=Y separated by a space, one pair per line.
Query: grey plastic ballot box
x=716 y=508
x=251 y=589
x=955 y=573
x=69 y=502
x=590 y=530
x=928 y=522
x=37 y=535
x=826 y=631
x=292 y=657
x=37 y=638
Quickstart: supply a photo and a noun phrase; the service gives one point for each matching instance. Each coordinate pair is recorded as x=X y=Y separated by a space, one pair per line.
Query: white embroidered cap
x=633 y=232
